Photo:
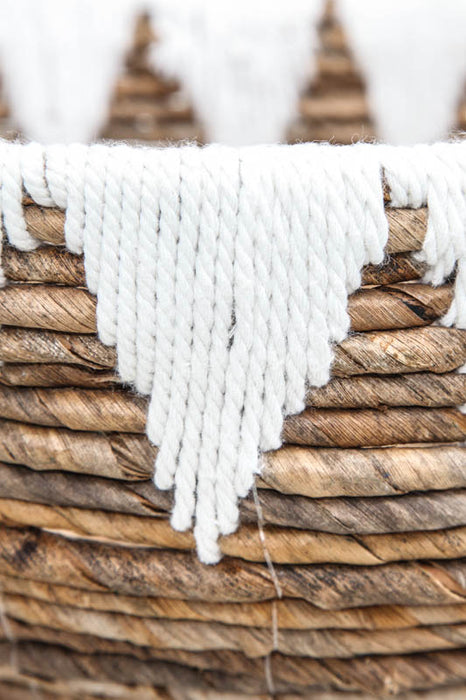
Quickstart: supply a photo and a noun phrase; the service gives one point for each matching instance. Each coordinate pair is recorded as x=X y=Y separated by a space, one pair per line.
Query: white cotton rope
x=412 y=55
x=222 y=277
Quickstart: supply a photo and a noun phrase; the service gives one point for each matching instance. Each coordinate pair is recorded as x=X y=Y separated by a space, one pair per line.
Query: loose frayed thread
x=222 y=277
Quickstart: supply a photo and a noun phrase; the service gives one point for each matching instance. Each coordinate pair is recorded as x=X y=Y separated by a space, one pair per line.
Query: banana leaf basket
x=360 y=588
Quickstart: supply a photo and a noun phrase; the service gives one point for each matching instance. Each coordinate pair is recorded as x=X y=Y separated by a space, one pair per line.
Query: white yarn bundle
x=222 y=276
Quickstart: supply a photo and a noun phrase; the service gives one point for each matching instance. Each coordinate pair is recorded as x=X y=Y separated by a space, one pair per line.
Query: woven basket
x=333 y=108
x=347 y=577
x=146 y=107
x=362 y=512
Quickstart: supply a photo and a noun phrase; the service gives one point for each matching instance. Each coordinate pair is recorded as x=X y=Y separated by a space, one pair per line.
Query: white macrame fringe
x=242 y=63
x=222 y=277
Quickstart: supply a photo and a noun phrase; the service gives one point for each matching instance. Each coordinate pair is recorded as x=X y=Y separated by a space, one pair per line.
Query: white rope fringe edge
x=222 y=277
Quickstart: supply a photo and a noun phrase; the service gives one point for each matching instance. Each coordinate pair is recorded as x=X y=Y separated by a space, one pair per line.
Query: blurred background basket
x=146 y=107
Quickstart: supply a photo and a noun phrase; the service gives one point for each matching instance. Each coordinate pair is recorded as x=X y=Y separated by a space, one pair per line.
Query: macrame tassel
x=243 y=64
x=222 y=277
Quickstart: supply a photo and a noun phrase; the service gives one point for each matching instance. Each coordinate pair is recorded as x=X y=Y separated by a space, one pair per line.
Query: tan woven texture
x=347 y=577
